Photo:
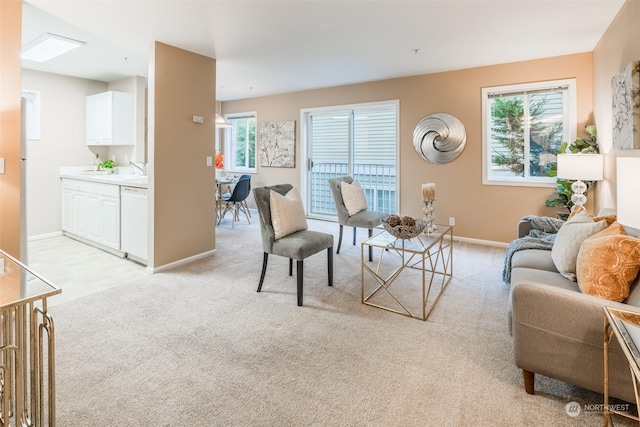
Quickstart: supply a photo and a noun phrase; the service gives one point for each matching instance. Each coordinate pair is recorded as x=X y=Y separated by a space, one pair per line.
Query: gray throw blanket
x=541 y=236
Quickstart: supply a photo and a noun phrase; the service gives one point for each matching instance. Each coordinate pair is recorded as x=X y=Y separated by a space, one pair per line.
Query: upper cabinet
x=111 y=119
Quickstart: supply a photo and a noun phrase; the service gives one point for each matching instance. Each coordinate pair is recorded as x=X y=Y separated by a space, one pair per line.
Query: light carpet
x=197 y=346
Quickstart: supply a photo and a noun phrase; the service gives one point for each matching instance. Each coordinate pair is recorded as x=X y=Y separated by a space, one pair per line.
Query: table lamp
x=580 y=167
x=628 y=189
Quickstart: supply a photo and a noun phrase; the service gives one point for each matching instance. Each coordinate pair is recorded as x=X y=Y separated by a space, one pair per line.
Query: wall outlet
x=452 y=221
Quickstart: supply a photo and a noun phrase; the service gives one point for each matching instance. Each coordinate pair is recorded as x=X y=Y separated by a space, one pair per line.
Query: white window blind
x=360 y=141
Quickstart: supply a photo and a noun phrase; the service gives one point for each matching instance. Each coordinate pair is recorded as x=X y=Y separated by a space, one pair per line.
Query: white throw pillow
x=287 y=213
x=569 y=239
x=353 y=197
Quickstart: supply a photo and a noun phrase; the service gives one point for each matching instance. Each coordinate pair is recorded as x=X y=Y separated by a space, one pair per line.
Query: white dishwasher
x=134 y=212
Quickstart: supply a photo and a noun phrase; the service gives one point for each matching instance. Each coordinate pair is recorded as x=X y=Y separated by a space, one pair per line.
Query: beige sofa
x=557 y=330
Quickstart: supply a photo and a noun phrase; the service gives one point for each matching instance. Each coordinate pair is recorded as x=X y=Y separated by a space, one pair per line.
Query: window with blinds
x=523 y=128
x=360 y=141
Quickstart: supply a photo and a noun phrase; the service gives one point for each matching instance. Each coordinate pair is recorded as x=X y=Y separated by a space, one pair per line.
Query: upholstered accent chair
x=298 y=244
x=363 y=219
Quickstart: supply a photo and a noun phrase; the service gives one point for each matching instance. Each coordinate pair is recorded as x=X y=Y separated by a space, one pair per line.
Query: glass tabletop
x=19 y=285
x=420 y=243
x=627 y=323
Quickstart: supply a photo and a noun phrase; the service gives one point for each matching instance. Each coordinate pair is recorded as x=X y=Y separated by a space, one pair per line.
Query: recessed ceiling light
x=48 y=46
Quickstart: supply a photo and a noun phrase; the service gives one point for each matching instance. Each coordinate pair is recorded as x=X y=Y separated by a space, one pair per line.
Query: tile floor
x=79 y=269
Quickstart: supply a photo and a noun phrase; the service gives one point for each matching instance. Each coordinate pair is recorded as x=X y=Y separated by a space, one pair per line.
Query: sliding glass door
x=360 y=141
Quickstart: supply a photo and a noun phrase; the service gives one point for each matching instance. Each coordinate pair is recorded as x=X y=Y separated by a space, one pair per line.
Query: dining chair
x=236 y=201
x=244 y=202
x=362 y=219
x=299 y=244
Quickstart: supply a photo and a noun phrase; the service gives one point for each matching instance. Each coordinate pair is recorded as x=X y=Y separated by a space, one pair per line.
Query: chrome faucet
x=142 y=168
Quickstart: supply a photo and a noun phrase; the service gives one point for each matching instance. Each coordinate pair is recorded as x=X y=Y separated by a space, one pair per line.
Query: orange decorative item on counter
x=219 y=160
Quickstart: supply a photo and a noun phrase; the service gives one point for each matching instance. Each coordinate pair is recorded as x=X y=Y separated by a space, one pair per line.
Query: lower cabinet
x=91 y=210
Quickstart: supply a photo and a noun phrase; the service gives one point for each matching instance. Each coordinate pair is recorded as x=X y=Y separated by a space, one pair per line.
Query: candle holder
x=428 y=217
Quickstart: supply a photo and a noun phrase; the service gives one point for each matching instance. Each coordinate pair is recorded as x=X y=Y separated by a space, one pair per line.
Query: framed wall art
x=625 y=89
x=278 y=144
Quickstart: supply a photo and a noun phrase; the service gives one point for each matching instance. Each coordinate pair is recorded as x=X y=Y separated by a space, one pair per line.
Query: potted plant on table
x=561 y=196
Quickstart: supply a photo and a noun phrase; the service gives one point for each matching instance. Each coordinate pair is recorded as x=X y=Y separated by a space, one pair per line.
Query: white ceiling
x=265 y=47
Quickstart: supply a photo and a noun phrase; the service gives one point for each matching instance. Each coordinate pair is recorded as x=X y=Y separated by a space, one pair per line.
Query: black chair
x=236 y=201
x=298 y=245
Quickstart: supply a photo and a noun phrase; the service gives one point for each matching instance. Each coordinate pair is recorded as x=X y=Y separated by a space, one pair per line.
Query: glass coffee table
x=409 y=275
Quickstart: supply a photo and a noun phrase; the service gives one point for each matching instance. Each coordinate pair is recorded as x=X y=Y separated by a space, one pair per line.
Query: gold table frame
x=431 y=254
x=614 y=325
x=27 y=347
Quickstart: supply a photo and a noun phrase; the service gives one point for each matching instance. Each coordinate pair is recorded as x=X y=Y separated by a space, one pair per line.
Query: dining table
x=224 y=188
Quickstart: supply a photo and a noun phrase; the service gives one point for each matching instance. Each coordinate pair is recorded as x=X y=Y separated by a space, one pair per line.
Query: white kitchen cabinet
x=111 y=119
x=91 y=210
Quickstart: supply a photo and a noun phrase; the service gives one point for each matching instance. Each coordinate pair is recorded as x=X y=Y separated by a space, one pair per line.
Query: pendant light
x=220 y=120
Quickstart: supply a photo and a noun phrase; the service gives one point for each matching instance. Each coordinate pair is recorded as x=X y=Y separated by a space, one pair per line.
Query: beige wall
x=181 y=85
x=11 y=36
x=62 y=143
x=618 y=47
x=482 y=212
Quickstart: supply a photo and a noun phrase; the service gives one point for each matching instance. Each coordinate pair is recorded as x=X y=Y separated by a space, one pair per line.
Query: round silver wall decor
x=439 y=138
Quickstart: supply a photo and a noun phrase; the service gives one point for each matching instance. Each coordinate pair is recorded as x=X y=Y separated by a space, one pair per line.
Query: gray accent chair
x=363 y=219
x=298 y=245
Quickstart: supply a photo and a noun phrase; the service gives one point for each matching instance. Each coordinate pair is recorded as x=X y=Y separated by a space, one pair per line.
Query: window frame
x=569 y=130
x=305 y=170
x=32 y=114
x=230 y=144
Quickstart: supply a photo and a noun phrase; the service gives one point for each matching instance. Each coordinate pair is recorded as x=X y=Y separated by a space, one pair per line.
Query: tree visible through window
x=240 y=147
x=525 y=126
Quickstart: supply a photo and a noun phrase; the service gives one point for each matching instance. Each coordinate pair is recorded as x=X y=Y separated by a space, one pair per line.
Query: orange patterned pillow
x=608 y=263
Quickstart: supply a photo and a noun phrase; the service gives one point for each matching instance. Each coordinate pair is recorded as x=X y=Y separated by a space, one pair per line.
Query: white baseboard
x=480 y=242
x=180 y=262
x=45 y=236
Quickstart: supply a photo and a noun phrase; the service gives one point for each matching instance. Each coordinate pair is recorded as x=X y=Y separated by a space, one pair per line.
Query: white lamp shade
x=585 y=167
x=628 y=189
x=221 y=122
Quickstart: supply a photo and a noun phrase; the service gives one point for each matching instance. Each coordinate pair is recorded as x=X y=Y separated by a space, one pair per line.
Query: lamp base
x=579 y=188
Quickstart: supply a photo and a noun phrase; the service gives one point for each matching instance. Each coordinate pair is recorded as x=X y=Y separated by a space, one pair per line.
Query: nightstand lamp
x=580 y=167
x=628 y=189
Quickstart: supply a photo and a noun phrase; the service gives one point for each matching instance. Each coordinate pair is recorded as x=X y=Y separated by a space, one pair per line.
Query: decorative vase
x=428 y=217
x=219 y=173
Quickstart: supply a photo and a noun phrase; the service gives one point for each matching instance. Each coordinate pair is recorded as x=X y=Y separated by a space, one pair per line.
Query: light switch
x=1 y=164
x=209 y=161
x=198 y=119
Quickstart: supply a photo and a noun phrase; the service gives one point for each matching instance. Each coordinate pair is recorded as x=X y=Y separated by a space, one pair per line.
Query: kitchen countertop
x=123 y=179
